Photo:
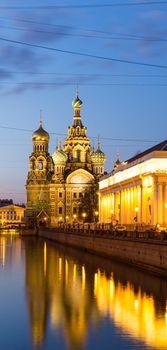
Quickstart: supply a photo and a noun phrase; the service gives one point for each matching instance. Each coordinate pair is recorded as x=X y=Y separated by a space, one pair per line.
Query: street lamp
x=74 y=216
x=96 y=215
x=84 y=216
x=136 y=211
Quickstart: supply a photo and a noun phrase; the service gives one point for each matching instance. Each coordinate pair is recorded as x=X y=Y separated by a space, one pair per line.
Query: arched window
x=78 y=155
x=40 y=165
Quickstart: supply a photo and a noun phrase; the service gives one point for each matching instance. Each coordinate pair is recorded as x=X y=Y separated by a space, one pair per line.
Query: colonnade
x=139 y=202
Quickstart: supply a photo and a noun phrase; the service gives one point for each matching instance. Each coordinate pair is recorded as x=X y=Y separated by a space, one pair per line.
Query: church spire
x=41 y=118
x=77 y=91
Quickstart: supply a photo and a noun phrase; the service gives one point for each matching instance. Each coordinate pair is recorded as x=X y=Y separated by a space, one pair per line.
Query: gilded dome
x=98 y=156
x=59 y=156
x=40 y=134
x=77 y=103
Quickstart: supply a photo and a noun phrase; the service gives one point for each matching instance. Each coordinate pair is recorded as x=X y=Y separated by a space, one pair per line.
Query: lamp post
x=84 y=216
x=96 y=215
x=75 y=216
x=136 y=217
x=60 y=220
x=136 y=212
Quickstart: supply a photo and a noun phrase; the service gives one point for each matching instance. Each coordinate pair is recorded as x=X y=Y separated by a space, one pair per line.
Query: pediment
x=80 y=176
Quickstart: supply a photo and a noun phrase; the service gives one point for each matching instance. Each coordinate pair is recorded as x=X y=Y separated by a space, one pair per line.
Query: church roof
x=40 y=133
x=77 y=103
x=98 y=156
x=59 y=156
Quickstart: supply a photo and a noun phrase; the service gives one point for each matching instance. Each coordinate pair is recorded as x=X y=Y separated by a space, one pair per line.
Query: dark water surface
x=53 y=297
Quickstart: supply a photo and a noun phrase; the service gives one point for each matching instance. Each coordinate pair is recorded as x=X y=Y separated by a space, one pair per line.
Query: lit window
x=40 y=165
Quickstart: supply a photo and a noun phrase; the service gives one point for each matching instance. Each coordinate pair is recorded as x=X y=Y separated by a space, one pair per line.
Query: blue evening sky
x=121 y=100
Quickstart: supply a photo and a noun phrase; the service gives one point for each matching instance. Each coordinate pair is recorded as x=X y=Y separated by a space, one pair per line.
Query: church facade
x=61 y=187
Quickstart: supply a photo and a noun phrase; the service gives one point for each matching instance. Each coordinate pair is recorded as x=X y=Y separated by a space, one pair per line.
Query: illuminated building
x=136 y=190
x=56 y=184
x=11 y=214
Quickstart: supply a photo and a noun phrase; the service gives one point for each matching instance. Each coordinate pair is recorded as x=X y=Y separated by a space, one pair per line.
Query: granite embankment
x=146 y=252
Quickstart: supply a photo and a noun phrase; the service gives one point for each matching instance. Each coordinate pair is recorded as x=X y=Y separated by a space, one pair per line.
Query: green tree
x=89 y=203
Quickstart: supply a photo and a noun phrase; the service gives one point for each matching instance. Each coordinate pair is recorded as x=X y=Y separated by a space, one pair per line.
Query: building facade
x=11 y=215
x=59 y=184
x=136 y=190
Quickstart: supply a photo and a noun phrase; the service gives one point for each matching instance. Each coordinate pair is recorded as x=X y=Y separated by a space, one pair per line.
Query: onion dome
x=77 y=103
x=98 y=156
x=59 y=156
x=40 y=134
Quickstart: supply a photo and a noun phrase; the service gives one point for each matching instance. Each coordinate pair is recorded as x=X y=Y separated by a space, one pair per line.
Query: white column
x=141 y=204
x=121 y=206
x=164 y=204
x=160 y=203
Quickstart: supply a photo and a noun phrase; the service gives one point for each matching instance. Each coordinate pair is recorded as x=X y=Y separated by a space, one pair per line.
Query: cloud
x=28 y=28
x=56 y=84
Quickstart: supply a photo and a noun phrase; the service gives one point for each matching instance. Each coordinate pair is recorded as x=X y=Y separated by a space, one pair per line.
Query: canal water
x=54 y=297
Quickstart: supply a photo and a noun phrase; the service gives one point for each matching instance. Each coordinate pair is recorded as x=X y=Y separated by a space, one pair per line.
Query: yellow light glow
x=45 y=258
x=74 y=273
x=96 y=213
x=60 y=267
x=66 y=271
x=83 y=278
x=123 y=303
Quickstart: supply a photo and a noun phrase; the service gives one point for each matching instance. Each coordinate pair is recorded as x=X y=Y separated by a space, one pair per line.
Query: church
x=62 y=187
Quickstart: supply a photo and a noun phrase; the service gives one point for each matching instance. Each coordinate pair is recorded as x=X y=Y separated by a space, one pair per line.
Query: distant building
x=58 y=184
x=136 y=190
x=4 y=202
x=11 y=214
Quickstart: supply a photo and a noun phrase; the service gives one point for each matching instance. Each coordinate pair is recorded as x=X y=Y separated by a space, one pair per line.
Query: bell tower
x=77 y=144
x=40 y=171
x=40 y=162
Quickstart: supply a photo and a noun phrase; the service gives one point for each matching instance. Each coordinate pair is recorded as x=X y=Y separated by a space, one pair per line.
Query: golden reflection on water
x=73 y=296
x=10 y=250
x=134 y=312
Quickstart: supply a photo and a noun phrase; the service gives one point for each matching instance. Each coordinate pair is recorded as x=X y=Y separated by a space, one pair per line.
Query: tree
x=89 y=202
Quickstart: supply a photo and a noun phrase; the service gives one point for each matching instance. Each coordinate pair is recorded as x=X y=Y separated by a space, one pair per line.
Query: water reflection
x=73 y=293
x=57 y=290
x=10 y=251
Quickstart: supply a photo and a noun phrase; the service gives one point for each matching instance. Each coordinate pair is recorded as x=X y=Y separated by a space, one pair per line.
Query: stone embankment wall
x=148 y=254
